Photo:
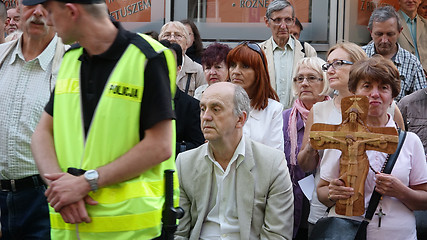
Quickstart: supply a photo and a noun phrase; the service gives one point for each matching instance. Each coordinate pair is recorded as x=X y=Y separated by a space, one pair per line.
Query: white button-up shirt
x=222 y=221
x=25 y=88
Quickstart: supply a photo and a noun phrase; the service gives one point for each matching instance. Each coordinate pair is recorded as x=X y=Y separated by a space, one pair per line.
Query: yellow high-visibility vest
x=131 y=209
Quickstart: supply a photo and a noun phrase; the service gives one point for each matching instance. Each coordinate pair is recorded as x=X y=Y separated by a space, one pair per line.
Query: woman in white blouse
x=247 y=67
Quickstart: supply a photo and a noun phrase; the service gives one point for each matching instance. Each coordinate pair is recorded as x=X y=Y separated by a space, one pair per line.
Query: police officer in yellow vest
x=107 y=134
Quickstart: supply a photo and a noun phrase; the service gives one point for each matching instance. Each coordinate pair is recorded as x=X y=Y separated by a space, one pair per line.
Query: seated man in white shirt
x=232 y=186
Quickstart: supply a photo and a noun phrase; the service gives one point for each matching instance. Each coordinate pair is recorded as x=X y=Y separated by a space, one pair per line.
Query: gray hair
x=241 y=101
x=278 y=5
x=383 y=14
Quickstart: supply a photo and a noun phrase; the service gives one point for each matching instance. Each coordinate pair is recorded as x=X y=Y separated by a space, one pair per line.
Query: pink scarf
x=292 y=125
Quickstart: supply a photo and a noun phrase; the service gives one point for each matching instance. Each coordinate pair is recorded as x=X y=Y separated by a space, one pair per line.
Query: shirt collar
x=407 y=18
x=43 y=59
x=397 y=58
x=290 y=44
x=114 y=52
x=238 y=155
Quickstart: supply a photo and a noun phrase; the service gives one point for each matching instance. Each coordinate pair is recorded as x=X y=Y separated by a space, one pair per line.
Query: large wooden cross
x=353 y=137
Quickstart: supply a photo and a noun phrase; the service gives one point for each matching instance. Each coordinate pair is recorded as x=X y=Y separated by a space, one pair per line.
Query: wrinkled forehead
x=172 y=28
x=218 y=94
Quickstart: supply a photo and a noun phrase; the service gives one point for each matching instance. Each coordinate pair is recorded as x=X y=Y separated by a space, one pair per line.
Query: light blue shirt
x=283 y=66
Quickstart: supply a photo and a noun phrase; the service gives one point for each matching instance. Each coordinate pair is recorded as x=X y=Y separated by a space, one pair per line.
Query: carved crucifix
x=353 y=137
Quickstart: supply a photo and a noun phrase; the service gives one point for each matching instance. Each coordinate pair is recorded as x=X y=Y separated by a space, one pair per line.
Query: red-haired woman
x=247 y=67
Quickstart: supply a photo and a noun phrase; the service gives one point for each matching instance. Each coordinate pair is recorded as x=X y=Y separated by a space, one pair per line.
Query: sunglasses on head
x=255 y=47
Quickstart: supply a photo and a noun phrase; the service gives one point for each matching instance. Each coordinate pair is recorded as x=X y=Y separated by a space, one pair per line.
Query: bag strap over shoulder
x=187 y=85
x=375 y=199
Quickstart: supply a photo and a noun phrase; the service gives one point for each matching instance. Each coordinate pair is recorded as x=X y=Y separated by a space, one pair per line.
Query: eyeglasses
x=278 y=21
x=254 y=46
x=177 y=36
x=310 y=79
x=335 y=64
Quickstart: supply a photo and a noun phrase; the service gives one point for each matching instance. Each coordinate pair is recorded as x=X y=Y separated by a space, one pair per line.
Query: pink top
x=410 y=168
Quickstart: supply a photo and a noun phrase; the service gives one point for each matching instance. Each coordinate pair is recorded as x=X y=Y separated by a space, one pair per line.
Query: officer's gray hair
x=278 y=5
x=383 y=14
x=241 y=102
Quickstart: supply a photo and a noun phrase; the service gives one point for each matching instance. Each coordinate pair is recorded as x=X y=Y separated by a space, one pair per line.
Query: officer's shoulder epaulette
x=73 y=47
x=145 y=47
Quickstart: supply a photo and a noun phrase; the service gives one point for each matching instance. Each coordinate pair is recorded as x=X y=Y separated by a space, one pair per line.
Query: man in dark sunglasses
x=282 y=49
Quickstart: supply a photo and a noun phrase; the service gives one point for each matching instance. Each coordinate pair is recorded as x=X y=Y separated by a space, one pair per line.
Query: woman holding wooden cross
x=405 y=189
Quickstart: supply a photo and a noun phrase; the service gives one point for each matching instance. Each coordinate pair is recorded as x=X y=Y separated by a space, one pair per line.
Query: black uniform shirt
x=156 y=104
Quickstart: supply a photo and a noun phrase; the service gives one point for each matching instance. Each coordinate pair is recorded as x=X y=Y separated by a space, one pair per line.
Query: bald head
x=224 y=108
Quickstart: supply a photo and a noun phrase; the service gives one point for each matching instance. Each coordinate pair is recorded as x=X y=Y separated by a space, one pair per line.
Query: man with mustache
x=28 y=71
x=232 y=187
x=385 y=28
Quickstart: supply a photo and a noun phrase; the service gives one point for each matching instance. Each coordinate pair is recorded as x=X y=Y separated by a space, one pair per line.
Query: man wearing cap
x=106 y=135
x=28 y=69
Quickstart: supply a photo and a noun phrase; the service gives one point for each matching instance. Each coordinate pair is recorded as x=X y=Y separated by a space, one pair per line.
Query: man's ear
x=73 y=10
x=6 y=23
x=266 y=21
x=242 y=119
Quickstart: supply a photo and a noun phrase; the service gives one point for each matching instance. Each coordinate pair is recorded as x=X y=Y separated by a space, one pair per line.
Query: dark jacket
x=188 y=132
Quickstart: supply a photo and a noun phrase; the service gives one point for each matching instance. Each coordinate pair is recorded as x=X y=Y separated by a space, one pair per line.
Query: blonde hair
x=314 y=63
x=355 y=52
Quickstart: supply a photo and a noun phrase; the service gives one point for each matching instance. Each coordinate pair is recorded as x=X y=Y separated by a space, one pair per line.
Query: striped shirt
x=24 y=91
x=412 y=77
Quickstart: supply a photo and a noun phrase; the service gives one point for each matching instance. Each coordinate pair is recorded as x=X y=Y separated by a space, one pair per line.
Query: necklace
x=382 y=168
x=380 y=212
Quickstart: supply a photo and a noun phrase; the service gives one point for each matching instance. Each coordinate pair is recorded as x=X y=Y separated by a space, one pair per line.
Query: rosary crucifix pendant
x=380 y=214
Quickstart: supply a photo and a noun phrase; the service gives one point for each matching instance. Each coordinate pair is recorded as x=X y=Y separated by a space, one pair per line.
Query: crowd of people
x=93 y=114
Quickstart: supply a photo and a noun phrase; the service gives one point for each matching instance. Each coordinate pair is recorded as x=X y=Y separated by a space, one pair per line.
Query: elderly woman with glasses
x=340 y=58
x=190 y=75
x=247 y=67
x=405 y=188
x=309 y=87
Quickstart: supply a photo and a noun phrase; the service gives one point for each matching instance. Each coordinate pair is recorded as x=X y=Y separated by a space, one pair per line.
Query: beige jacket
x=197 y=76
x=264 y=193
x=267 y=47
x=405 y=39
